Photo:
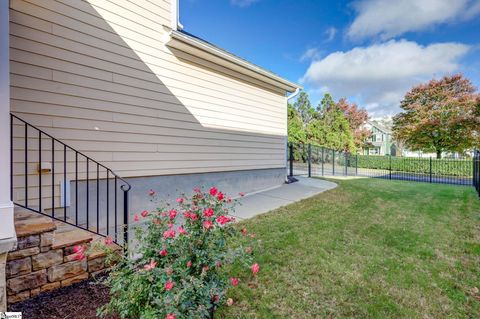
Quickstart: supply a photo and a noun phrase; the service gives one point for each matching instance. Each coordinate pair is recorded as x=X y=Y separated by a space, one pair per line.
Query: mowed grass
x=368 y=249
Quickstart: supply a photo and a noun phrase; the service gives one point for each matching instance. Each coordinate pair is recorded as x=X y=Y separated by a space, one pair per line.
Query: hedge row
x=443 y=167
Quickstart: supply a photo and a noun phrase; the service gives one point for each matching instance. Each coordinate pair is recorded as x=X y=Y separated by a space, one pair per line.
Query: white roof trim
x=197 y=47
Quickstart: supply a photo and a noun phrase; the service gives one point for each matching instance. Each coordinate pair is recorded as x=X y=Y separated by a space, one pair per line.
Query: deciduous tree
x=304 y=108
x=441 y=115
x=296 y=132
x=356 y=118
x=330 y=128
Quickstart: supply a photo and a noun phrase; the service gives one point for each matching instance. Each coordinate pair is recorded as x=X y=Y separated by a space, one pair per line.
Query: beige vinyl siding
x=98 y=76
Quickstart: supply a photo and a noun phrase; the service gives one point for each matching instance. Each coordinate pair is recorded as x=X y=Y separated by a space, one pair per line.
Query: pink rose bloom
x=180 y=200
x=193 y=216
x=136 y=218
x=169 y=234
x=163 y=252
x=151 y=192
x=78 y=249
x=108 y=240
x=229 y=302
x=197 y=190
x=208 y=212
x=244 y=231
x=229 y=199
x=220 y=196
x=169 y=285
x=213 y=191
x=222 y=220
x=241 y=194
x=171 y=316
x=172 y=214
x=151 y=265
x=189 y=263
x=255 y=269
x=181 y=230
x=207 y=224
x=234 y=281
x=144 y=213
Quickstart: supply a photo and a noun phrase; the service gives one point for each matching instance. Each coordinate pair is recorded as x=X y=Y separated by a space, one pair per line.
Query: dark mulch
x=80 y=301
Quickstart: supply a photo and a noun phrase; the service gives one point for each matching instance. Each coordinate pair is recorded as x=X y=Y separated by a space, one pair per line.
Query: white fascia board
x=196 y=47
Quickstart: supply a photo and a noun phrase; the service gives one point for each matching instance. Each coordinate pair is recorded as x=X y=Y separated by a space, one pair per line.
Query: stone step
x=28 y=223
x=72 y=238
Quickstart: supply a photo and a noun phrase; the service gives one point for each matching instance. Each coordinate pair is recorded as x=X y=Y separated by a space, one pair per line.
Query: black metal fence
x=476 y=171
x=312 y=160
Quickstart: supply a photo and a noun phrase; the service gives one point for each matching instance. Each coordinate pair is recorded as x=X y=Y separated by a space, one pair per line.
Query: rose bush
x=181 y=254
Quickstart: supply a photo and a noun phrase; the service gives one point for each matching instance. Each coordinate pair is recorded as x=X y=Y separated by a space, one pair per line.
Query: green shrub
x=179 y=271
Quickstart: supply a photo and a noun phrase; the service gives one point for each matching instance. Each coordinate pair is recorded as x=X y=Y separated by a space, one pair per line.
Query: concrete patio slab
x=263 y=202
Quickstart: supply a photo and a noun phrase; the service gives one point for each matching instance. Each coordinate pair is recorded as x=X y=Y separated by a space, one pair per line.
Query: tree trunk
x=439 y=154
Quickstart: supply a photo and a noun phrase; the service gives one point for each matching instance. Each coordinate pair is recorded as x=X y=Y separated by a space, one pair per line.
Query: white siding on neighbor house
x=97 y=75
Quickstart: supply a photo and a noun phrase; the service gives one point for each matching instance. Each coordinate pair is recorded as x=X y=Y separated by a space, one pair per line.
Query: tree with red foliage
x=441 y=115
x=356 y=117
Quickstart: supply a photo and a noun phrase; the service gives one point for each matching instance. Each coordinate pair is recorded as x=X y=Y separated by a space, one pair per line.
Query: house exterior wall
x=380 y=141
x=97 y=75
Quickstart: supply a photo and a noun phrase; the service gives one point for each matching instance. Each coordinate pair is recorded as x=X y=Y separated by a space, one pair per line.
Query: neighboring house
x=380 y=141
x=129 y=93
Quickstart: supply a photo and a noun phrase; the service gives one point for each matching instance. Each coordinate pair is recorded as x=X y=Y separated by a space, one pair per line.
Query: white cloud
x=242 y=3
x=331 y=33
x=310 y=54
x=379 y=75
x=386 y=18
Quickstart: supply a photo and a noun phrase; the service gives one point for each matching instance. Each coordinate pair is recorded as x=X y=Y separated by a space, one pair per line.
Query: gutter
x=294 y=94
x=201 y=48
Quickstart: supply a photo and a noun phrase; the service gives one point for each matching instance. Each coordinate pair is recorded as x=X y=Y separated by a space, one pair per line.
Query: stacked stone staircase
x=44 y=259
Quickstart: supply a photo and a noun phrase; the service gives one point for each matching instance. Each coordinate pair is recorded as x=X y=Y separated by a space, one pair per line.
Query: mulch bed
x=80 y=301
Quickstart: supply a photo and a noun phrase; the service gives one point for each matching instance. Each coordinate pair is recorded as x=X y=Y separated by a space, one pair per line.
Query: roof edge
x=204 y=46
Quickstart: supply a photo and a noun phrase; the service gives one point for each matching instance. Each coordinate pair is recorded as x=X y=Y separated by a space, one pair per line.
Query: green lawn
x=367 y=249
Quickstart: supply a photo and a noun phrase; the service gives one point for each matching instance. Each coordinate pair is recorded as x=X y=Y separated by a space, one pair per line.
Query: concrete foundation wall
x=169 y=187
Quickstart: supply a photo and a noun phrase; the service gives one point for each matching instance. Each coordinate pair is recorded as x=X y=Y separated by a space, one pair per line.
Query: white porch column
x=7 y=230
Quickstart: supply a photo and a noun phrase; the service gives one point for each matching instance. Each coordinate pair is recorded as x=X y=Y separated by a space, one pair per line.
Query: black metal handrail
x=83 y=221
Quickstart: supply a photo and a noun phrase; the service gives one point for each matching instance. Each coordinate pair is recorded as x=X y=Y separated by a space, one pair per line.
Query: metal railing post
x=356 y=164
x=345 y=156
x=291 y=158
x=390 y=167
x=430 y=169
x=323 y=159
x=125 y=189
x=309 y=160
x=333 y=162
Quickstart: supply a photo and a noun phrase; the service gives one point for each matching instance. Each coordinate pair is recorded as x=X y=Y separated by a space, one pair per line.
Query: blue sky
x=370 y=51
